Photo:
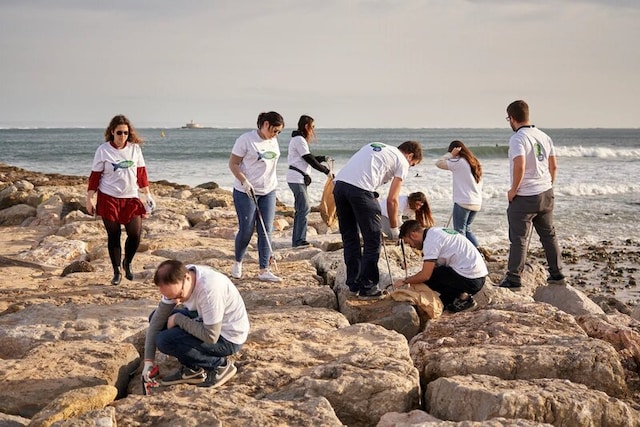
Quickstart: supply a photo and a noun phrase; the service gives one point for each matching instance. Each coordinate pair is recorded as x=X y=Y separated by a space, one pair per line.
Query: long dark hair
x=121 y=120
x=302 y=126
x=465 y=153
x=423 y=214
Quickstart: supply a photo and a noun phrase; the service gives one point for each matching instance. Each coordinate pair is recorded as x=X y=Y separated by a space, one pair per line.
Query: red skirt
x=118 y=210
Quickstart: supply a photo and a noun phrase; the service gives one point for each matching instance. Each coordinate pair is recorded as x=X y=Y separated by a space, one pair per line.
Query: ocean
x=597 y=189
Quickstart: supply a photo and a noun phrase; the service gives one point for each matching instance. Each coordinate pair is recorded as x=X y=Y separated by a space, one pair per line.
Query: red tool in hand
x=152 y=382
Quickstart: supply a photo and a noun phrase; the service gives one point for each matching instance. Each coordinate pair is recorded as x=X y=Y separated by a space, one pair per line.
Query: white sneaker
x=236 y=270
x=268 y=276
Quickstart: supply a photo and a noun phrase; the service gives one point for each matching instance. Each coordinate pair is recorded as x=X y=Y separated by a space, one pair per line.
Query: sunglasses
x=122 y=132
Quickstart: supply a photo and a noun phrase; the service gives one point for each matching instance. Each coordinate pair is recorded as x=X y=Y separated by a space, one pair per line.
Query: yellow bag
x=328 y=203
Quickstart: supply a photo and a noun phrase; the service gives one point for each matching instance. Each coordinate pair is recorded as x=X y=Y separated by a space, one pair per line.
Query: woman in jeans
x=253 y=162
x=300 y=162
x=467 y=187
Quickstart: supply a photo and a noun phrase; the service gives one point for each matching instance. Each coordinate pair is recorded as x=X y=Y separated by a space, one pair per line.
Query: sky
x=347 y=63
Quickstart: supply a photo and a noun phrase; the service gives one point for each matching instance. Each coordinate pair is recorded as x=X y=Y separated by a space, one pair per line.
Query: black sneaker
x=219 y=376
x=558 y=280
x=370 y=294
x=185 y=375
x=506 y=283
x=459 y=305
x=303 y=244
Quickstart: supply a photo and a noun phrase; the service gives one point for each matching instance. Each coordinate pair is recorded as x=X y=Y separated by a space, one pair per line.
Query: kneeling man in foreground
x=452 y=265
x=210 y=324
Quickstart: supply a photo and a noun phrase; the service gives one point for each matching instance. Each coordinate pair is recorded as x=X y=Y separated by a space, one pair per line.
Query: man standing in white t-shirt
x=357 y=208
x=452 y=265
x=533 y=166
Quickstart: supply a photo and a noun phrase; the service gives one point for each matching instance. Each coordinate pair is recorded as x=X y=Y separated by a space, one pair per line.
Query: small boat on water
x=192 y=125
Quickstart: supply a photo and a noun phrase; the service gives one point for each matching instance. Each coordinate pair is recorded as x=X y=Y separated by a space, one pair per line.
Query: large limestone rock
x=27 y=385
x=41 y=323
x=482 y=397
x=513 y=341
x=75 y=403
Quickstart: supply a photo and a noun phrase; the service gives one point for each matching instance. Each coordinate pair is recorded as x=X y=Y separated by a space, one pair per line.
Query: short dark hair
x=412 y=147
x=408 y=227
x=272 y=117
x=519 y=110
x=169 y=272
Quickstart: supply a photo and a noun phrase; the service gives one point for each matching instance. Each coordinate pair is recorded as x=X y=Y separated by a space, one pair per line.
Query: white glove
x=248 y=188
x=150 y=204
x=148 y=366
x=395 y=233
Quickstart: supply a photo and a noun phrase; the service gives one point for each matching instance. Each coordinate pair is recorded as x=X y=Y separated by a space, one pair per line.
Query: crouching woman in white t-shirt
x=414 y=206
x=253 y=162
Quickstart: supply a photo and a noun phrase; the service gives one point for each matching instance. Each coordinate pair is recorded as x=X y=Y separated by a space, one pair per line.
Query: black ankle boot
x=117 y=278
x=127 y=270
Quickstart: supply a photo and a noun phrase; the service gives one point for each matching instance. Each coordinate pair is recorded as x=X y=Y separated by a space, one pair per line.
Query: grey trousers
x=524 y=211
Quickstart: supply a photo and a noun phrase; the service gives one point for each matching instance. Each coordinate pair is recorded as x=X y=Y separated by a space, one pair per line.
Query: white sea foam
x=599 y=152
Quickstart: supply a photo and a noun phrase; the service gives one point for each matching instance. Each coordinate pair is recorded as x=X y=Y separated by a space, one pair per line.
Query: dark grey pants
x=523 y=212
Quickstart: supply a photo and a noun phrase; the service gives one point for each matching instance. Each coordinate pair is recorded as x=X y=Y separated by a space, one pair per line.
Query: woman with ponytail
x=300 y=162
x=467 y=187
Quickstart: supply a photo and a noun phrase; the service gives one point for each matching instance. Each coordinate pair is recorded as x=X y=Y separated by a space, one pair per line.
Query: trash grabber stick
x=384 y=246
x=404 y=259
x=449 y=222
x=272 y=259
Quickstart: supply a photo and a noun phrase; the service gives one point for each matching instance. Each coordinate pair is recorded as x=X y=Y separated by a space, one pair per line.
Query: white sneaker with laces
x=268 y=276
x=236 y=270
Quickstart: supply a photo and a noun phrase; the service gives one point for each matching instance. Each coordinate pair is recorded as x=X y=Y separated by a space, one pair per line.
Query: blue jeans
x=462 y=219
x=190 y=351
x=523 y=211
x=359 y=209
x=248 y=220
x=301 y=205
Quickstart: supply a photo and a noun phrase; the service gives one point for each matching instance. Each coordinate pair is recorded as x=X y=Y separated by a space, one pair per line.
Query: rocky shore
x=70 y=342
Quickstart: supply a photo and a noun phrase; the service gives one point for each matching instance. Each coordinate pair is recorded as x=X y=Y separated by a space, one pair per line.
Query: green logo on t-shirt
x=267 y=155
x=377 y=146
x=449 y=230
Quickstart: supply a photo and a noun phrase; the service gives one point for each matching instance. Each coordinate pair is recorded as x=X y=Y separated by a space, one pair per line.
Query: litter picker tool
x=384 y=246
x=404 y=259
x=272 y=259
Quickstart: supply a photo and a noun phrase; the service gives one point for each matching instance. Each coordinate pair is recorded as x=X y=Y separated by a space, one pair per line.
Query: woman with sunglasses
x=253 y=162
x=119 y=176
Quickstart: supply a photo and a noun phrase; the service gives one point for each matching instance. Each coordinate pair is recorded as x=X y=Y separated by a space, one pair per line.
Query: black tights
x=114 y=230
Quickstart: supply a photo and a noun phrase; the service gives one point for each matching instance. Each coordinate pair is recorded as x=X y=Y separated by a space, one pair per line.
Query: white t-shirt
x=447 y=247
x=403 y=208
x=466 y=191
x=536 y=147
x=298 y=147
x=217 y=300
x=259 y=162
x=373 y=165
x=119 y=169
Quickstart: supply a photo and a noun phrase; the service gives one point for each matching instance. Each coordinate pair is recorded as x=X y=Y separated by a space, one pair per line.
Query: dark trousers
x=358 y=209
x=524 y=211
x=450 y=284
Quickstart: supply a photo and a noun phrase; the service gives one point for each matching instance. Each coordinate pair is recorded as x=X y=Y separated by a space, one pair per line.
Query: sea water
x=597 y=187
